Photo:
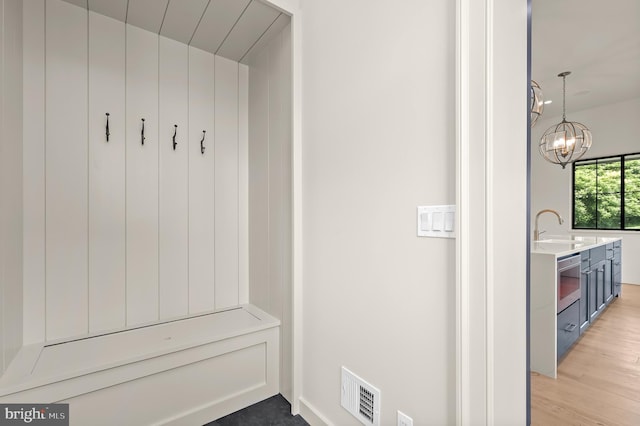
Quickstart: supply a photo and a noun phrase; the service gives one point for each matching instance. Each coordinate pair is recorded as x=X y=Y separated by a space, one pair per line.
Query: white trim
x=462 y=218
x=311 y=414
x=292 y=8
x=472 y=199
x=490 y=183
x=298 y=277
x=491 y=257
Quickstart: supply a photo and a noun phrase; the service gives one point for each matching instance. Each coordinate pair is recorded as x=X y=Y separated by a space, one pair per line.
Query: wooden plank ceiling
x=229 y=28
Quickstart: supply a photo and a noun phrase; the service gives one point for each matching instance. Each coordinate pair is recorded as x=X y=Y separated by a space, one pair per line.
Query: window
x=606 y=193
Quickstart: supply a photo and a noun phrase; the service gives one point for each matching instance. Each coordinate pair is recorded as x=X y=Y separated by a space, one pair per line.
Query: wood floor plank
x=599 y=379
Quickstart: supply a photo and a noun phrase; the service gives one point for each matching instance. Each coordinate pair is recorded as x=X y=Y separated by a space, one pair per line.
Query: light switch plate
x=437 y=221
x=425 y=222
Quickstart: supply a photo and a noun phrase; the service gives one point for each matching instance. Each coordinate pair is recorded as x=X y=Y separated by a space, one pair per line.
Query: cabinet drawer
x=617 y=268
x=568 y=327
x=609 y=251
x=617 y=244
x=617 y=253
x=585 y=260
x=597 y=254
x=617 y=285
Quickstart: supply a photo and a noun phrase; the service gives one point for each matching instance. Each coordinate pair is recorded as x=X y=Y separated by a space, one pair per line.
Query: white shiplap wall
x=270 y=190
x=226 y=183
x=142 y=176
x=107 y=166
x=66 y=170
x=33 y=162
x=11 y=197
x=119 y=233
x=201 y=180
x=174 y=186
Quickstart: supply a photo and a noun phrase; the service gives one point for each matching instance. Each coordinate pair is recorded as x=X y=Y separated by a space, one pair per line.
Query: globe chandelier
x=567 y=141
x=537 y=103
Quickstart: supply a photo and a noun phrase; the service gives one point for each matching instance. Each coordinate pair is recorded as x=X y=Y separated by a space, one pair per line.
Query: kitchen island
x=573 y=279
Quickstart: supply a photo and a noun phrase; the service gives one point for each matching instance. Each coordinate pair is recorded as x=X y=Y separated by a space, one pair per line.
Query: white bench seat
x=244 y=339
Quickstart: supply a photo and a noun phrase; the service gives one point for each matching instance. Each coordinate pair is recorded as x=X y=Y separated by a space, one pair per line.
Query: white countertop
x=562 y=245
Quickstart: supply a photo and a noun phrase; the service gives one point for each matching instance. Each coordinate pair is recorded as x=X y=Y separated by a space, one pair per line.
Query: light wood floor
x=599 y=380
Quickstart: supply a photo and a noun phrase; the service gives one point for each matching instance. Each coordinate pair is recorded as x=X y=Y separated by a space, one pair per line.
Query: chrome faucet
x=536 y=233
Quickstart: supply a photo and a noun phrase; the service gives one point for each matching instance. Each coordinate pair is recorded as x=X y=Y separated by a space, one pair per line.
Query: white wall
x=614 y=132
x=10 y=180
x=378 y=140
x=270 y=190
x=108 y=230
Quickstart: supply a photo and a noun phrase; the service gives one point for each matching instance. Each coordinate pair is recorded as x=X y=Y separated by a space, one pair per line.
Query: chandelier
x=567 y=141
x=537 y=103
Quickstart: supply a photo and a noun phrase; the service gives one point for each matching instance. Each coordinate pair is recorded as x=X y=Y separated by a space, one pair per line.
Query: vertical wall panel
x=226 y=182
x=243 y=184
x=142 y=176
x=3 y=358
x=174 y=189
x=66 y=170
x=276 y=190
x=280 y=294
x=259 y=181
x=286 y=337
x=33 y=172
x=10 y=180
x=270 y=158
x=106 y=173
x=201 y=181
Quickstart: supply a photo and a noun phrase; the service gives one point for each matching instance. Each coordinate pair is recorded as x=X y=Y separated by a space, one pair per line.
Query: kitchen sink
x=556 y=247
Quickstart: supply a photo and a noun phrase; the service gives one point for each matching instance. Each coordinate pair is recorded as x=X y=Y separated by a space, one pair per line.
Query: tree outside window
x=632 y=192
x=606 y=193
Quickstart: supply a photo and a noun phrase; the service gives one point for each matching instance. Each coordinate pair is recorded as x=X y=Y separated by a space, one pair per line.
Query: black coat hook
x=175 y=132
x=142 y=133
x=202 y=142
x=108 y=127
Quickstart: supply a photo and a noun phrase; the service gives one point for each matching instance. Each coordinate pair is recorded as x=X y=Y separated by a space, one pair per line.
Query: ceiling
x=234 y=29
x=597 y=40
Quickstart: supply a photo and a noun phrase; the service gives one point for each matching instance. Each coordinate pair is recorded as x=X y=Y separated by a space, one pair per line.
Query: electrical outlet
x=404 y=420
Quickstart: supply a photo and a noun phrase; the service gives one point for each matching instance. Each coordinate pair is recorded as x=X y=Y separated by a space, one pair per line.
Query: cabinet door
x=608 y=281
x=591 y=299
x=584 y=300
x=617 y=270
x=600 y=286
x=596 y=289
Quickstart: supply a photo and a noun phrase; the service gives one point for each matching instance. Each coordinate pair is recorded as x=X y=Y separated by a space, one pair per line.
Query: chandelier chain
x=564 y=96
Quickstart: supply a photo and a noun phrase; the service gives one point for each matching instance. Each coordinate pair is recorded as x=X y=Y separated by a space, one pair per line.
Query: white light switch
x=449 y=218
x=436 y=221
x=425 y=222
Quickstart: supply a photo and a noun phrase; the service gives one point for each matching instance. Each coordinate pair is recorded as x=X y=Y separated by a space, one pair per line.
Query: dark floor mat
x=275 y=411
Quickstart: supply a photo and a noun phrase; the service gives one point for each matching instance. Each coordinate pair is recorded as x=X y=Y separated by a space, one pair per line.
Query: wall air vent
x=360 y=398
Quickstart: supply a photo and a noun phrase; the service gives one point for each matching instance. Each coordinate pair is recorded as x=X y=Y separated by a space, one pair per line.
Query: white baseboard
x=312 y=415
